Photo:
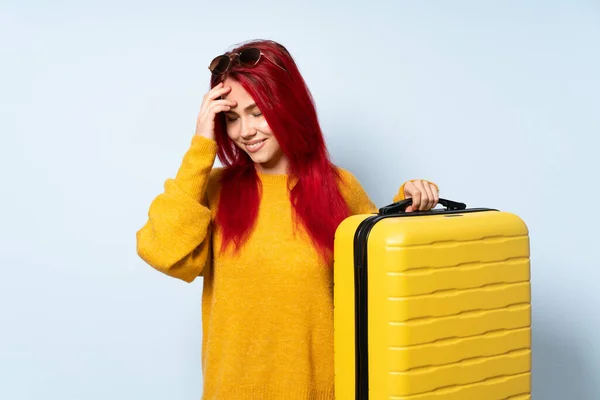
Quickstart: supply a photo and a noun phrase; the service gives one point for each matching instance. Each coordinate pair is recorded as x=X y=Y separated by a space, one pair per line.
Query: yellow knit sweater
x=267 y=313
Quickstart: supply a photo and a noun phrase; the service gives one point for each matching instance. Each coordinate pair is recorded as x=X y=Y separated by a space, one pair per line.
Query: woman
x=261 y=229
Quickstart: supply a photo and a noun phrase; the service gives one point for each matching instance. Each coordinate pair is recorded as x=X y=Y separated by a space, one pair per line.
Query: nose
x=248 y=130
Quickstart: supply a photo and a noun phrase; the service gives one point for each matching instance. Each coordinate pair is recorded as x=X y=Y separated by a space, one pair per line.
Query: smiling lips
x=254 y=145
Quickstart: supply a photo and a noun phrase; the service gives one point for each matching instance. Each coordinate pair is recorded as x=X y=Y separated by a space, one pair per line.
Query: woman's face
x=249 y=130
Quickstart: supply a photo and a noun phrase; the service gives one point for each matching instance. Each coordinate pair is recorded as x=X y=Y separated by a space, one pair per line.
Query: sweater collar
x=272 y=179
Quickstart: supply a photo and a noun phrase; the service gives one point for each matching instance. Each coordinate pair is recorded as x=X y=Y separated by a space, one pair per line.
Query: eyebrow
x=250 y=107
x=246 y=109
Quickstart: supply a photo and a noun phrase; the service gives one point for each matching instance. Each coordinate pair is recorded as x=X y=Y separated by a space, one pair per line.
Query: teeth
x=255 y=145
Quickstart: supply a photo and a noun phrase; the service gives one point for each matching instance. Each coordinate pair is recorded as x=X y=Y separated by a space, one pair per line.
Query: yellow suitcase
x=432 y=305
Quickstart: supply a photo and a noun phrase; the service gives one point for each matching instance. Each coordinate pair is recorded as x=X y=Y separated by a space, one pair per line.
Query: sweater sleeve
x=175 y=239
x=356 y=197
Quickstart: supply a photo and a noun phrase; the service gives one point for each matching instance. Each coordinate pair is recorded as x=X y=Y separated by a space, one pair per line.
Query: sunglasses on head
x=246 y=58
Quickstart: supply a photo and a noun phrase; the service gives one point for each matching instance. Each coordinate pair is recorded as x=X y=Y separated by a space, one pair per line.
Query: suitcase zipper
x=361 y=329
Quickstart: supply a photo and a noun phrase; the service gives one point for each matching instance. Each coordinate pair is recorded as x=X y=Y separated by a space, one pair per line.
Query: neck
x=277 y=166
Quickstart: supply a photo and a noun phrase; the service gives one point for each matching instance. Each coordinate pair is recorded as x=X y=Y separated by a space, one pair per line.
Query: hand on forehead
x=239 y=95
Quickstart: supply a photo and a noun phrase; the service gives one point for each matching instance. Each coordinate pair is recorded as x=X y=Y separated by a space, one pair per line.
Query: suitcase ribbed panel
x=470 y=371
x=457 y=311
x=501 y=388
x=455 y=350
x=469 y=275
x=429 y=330
x=440 y=255
x=454 y=302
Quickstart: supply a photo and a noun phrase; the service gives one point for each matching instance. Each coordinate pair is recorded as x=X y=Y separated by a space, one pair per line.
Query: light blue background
x=497 y=102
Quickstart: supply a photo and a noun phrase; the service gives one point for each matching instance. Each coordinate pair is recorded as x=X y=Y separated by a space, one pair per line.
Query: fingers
x=212 y=103
x=213 y=94
x=217 y=106
x=222 y=103
x=436 y=194
x=424 y=195
x=219 y=90
x=430 y=197
x=424 y=200
x=208 y=120
x=417 y=197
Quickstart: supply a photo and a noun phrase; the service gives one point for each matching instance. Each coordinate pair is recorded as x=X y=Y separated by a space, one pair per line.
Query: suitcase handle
x=400 y=206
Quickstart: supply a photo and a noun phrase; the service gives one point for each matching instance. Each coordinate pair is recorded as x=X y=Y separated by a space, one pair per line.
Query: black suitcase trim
x=361 y=281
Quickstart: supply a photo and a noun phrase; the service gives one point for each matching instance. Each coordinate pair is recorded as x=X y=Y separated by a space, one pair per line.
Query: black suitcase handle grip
x=401 y=206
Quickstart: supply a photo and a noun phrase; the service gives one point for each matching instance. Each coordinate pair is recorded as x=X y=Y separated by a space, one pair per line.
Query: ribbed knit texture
x=267 y=312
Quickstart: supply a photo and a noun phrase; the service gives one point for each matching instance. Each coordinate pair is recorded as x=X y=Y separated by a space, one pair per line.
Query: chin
x=264 y=156
x=259 y=158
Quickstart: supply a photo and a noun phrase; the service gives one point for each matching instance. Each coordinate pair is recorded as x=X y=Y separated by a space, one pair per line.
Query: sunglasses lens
x=249 y=57
x=219 y=65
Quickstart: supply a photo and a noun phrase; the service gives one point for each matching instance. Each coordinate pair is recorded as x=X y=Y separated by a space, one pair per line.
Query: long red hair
x=288 y=107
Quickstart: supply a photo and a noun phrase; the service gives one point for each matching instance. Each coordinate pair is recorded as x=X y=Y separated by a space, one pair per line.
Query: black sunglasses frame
x=249 y=57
